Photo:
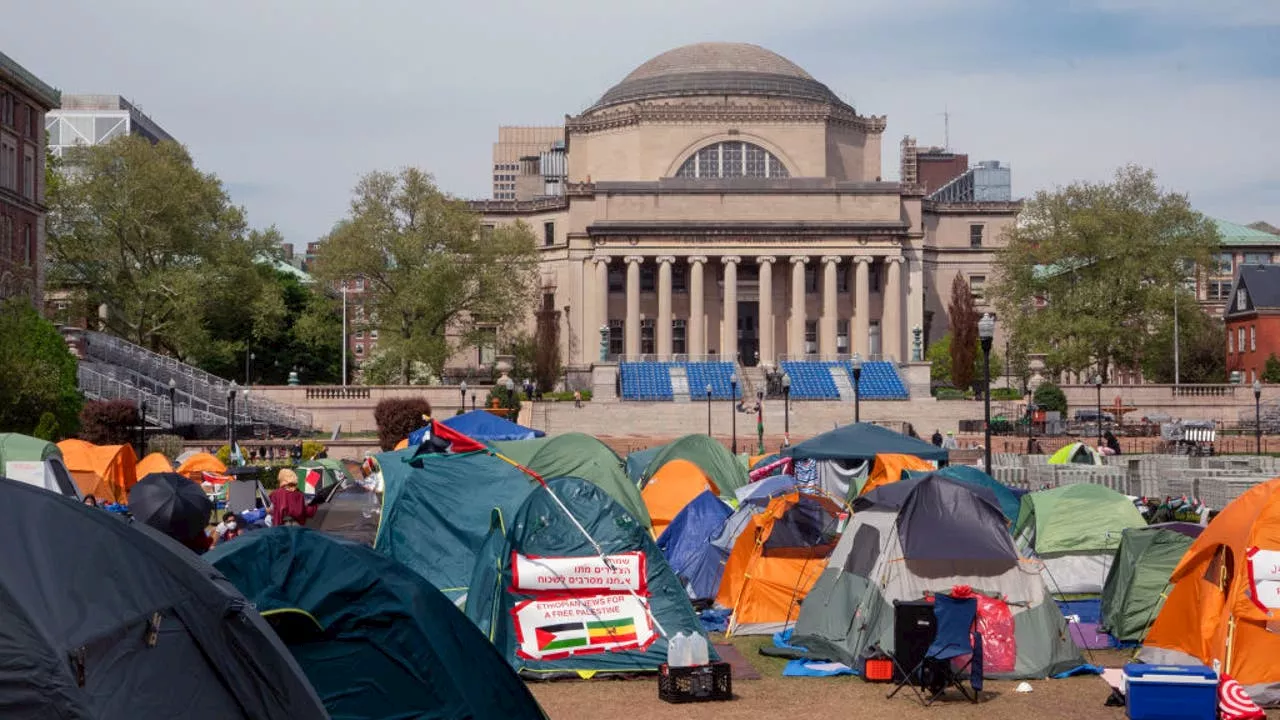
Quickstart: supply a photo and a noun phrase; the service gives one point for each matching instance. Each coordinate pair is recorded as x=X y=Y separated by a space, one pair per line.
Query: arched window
x=732 y=159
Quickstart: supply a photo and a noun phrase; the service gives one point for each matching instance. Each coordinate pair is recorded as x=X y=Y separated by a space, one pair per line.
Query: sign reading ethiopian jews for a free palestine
x=613 y=573
x=581 y=625
x=1264 y=575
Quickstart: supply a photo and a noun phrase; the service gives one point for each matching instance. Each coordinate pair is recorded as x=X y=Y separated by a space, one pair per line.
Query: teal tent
x=375 y=639
x=436 y=511
x=862 y=441
x=1010 y=503
x=536 y=591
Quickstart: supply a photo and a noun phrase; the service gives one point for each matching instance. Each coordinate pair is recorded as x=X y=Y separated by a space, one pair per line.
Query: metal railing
x=199 y=388
x=98 y=386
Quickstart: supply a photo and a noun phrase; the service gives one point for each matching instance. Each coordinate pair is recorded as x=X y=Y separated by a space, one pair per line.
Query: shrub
x=949 y=393
x=1050 y=397
x=47 y=428
x=224 y=454
x=37 y=373
x=1006 y=394
x=397 y=417
x=312 y=449
x=509 y=401
x=168 y=445
x=109 y=422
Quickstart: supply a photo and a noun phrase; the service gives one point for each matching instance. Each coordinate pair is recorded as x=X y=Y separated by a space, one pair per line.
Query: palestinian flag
x=621 y=630
x=565 y=636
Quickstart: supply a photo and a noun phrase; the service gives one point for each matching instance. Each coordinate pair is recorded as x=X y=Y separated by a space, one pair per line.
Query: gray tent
x=106 y=619
x=943 y=534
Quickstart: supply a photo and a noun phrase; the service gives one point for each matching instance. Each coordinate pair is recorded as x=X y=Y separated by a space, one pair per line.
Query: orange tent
x=888 y=468
x=196 y=465
x=103 y=471
x=1225 y=601
x=402 y=444
x=153 y=463
x=776 y=560
x=675 y=485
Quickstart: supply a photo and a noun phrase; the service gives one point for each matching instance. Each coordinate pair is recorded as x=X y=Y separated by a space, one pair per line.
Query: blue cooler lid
x=1136 y=670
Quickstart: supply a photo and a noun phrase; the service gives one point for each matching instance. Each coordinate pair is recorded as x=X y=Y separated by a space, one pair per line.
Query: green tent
x=35 y=462
x=863 y=441
x=1139 y=577
x=375 y=639
x=436 y=511
x=1075 y=530
x=579 y=455
x=331 y=472
x=710 y=456
x=545 y=632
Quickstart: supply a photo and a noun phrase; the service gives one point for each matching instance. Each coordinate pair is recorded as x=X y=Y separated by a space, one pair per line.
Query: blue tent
x=687 y=544
x=1009 y=501
x=484 y=426
x=762 y=491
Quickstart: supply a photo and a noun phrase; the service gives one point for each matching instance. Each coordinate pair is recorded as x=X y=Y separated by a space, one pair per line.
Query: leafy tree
x=546 y=359
x=1091 y=268
x=1202 y=341
x=1271 y=371
x=964 y=330
x=138 y=228
x=109 y=422
x=397 y=417
x=169 y=446
x=1050 y=397
x=37 y=374
x=939 y=354
x=433 y=275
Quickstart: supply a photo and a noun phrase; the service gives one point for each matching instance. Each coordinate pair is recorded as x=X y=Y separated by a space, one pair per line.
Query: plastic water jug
x=699 y=651
x=678 y=651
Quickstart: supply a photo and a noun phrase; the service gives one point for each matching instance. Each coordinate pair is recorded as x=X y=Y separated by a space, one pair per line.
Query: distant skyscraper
x=528 y=144
x=94 y=119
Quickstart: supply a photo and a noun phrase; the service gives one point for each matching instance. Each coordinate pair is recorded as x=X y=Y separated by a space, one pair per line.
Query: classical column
x=602 y=294
x=830 y=314
x=729 y=318
x=663 y=334
x=697 y=340
x=861 y=340
x=633 y=304
x=891 y=312
x=766 y=309
x=795 y=343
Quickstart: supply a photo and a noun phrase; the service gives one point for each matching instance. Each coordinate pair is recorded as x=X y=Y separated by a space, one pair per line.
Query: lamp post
x=786 y=409
x=462 y=390
x=708 y=388
x=856 y=362
x=986 y=333
x=733 y=410
x=142 y=427
x=1257 y=416
x=1097 y=383
x=760 y=421
x=248 y=368
x=173 y=418
x=473 y=399
x=231 y=417
x=511 y=390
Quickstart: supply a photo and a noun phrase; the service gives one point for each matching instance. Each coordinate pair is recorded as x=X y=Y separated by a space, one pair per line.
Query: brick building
x=1253 y=320
x=24 y=100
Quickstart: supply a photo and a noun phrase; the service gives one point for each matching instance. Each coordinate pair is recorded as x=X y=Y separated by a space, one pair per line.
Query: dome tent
x=1075 y=530
x=375 y=638
x=1139 y=577
x=105 y=620
x=35 y=462
x=712 y=458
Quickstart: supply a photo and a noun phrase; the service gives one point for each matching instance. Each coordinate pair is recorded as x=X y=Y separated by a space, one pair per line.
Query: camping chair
x=954 y=639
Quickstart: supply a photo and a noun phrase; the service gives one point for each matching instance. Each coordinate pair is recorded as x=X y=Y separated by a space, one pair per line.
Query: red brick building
x=24 y=100
x=1253 y=320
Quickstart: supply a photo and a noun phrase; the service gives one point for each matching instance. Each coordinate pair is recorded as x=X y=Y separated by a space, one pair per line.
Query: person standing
x=937 y=438
x=288 y=505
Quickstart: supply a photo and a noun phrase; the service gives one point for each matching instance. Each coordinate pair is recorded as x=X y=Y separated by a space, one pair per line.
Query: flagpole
x=344 y=333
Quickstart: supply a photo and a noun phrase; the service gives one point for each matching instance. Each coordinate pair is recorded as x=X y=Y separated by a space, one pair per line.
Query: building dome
x=711 y=69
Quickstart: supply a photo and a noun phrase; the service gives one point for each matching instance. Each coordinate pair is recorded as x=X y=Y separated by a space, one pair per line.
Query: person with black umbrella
x=175 y=506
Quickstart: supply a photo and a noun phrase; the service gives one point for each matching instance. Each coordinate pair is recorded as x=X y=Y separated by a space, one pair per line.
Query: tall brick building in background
x=24 y=100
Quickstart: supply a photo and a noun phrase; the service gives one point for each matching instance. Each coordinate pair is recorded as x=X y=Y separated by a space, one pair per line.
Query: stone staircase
x=679 y=384
x=843 y=383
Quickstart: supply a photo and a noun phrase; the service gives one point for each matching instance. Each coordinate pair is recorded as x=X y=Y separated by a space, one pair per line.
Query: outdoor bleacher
x=880 y=381
x=645 y=380
x=715 y=374
x=811 y=380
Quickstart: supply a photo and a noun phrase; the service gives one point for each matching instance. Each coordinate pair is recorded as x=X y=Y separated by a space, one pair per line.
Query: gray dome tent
x=106 y=620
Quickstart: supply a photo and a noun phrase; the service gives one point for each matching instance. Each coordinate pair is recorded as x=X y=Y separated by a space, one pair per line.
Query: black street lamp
x=173 y=409
x=511 y=391
x=462 y=390
x=733 y=409
x=231 y=417
x=1257 y=416
x=786 y=409
x=708 y=409
x=248 y=368
x=1097 y=383
x=856 y=362
x=986 y=333
x=142 y=427
x=760 y=421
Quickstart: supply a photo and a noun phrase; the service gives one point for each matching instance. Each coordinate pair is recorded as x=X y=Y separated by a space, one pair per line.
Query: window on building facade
x=975 y=236
x=732 y=159
x=647 y=345
x=648 y=278
x=1242 y=299
x=29 y=174
x=617 y=279
x=810 y=279
x=359 y=334
x=548 y=233
x=617 y=337
x=1240 y=339
x=373 y=334
x=548 y=301
x=1218 y=289
x=1223 y=263
x=28 y=247
x=978 y=287
x=1231 y=342
x=1253 y=338
x=842 y=278
x=873 y=276
x=679 y=278
x=679 y=346
x=811 y=336
x=842 y=335
x=1257 y=258
x=8 y=163
x=359 y=349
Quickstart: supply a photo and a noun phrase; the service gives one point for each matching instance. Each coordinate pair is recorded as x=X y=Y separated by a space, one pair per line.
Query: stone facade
x=721 y=202
x=24 y=100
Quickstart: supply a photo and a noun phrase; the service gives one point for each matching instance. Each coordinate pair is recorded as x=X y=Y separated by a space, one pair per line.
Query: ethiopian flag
x=611 y=631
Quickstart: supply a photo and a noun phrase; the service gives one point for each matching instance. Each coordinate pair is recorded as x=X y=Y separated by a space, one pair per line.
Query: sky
x=289 y=102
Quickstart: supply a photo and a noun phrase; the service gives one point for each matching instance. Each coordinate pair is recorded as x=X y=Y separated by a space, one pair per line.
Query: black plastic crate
x=700 y=683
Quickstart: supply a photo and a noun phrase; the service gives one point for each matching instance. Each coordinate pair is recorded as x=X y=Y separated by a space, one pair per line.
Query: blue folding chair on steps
x=955 y=638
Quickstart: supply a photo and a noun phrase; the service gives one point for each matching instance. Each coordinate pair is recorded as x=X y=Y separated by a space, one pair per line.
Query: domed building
x=721 y=201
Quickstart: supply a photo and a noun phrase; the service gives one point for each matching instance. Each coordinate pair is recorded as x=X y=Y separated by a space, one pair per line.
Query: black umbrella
x=173 y=505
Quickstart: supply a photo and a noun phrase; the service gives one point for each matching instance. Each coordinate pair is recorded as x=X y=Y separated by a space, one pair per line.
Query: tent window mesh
x=866 y=551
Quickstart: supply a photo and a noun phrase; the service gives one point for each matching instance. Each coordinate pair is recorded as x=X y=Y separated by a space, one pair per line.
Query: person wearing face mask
x=228 y=529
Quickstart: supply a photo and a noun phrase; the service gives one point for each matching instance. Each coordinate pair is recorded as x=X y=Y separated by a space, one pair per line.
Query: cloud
x=289 y=102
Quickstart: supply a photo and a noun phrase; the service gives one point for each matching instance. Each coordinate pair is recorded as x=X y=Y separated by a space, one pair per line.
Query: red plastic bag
x=999 y=647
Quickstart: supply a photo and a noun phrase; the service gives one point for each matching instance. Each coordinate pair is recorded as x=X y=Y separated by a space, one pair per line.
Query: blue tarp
x=763 y=491
x=484 y=426
x=686 y=543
